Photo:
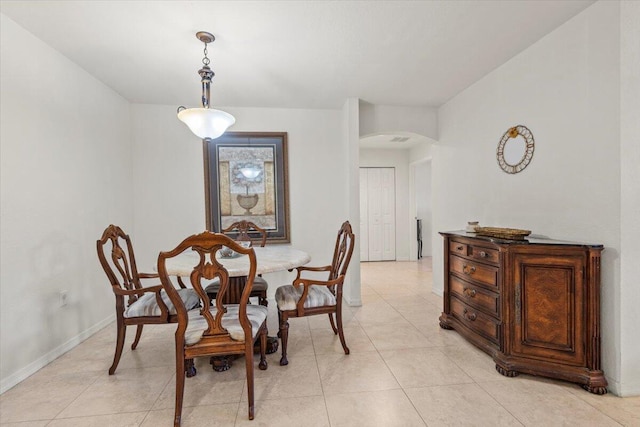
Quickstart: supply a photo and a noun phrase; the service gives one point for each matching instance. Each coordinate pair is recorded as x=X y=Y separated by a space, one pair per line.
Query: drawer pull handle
x=483 y=254
x=469 y=316
x=468 y=270
x=471 y=293
x=459 y=248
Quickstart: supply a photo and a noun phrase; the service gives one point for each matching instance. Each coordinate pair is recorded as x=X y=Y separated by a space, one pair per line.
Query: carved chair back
x=206 y=245
x=342 y=252
x=120 y=264
x=243 y=228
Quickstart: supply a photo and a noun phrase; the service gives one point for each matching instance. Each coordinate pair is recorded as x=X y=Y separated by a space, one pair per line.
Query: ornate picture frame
x=246 y=178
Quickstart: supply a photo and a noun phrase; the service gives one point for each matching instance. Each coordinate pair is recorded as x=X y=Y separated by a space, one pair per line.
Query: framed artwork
x=246 y=179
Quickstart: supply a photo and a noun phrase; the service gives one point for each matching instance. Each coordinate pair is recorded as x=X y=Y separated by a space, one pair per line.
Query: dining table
x=269 y=259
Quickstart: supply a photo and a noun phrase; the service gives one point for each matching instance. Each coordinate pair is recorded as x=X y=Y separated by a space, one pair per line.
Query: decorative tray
x=502 y=233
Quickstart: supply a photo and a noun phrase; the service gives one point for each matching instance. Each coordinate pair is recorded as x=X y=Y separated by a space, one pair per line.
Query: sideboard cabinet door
x=549 y=295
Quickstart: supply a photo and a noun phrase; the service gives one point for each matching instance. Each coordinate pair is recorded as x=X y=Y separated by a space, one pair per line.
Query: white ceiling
x=291 y=54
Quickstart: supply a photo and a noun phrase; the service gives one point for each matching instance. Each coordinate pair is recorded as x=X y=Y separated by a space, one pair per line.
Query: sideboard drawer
x=484 y=254
x=475 y=320
x=474 y=271
x=475 y=296
x=458 y=248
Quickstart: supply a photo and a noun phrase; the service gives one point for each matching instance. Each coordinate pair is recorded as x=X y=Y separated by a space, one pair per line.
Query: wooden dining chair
x=135 y=304
x=242 y=231
x=218 y=329
x=309 y=297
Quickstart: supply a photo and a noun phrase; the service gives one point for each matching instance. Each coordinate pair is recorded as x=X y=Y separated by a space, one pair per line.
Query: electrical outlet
x=64 y=295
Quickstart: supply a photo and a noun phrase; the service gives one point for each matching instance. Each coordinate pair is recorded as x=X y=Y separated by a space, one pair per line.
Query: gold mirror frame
x=528 y=153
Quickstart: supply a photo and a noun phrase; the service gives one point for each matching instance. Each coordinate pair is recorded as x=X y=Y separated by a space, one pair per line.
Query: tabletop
x=269 y=259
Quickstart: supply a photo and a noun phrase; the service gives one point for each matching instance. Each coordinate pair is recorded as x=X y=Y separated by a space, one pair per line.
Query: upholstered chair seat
x=147 y=305
x=287 y=297
x=257 y=314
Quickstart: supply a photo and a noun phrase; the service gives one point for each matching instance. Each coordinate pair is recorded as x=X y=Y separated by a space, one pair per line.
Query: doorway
x=377 y=214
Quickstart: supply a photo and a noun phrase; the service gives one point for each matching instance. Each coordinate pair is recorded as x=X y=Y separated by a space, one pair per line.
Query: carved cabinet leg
x=444 y=324
x=506 y=372
x=595 y=389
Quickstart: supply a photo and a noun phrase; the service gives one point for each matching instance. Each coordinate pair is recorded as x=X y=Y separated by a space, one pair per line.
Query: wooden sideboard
x=533 y=305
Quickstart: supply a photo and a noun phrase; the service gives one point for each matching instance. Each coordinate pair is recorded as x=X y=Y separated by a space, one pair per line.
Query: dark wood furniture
x=135 y=304
x=308 y=297
x=219 y=329
x=242 y=231
x=533 y=305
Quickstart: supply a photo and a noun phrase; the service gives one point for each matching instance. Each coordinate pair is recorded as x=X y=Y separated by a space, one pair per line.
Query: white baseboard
x=622 y=389
x=33 y=367
x=353 y=302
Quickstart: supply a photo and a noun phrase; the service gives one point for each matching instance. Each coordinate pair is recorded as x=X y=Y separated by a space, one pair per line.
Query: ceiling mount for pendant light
x=205 y=122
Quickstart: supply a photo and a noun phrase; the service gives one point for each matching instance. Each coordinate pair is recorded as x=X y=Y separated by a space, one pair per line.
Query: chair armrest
x=305 y=268
x=312 y=269
x=307 y=283
x=181 y=283
x=148 y=275
x=164 y=310
x=141 y=291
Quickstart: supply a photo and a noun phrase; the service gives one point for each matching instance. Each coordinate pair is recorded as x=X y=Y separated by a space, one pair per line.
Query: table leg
x=222 y=363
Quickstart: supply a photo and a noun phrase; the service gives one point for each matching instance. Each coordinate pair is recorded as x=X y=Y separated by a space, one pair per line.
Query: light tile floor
x=403 y=370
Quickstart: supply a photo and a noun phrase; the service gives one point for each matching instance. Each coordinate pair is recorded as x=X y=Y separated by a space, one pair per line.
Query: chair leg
x=180 y=372
x=248 y=357
x=333 y=325
x=121 y=334
x=212 y=297
x=279 y=323
x=284 y=336
x=137 y=339
x=262 y=299
x=340 y=331
x=263 y=350
x=190 y=368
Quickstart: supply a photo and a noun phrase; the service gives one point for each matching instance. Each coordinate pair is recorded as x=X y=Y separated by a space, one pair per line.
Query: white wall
x=398 y=159
x=630 y=196
x=169 y=178
x=376 y=119
x=66 y=174
x=565 y=88
x=351 y=138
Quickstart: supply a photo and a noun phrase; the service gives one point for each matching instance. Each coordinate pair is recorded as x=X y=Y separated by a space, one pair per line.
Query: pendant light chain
x=206 y=60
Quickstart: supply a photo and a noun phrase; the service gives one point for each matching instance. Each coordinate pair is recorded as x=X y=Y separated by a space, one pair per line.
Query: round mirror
x=515 y=149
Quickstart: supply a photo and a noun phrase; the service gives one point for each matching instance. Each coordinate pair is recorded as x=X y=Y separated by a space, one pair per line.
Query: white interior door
x=376 y=232
x=388 y=213
x=377 y=214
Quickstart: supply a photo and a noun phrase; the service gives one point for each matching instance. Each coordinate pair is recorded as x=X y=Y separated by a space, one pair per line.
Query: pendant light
x=205 y=122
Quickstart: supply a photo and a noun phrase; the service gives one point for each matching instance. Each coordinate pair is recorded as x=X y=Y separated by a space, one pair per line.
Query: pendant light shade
x=205 y=122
